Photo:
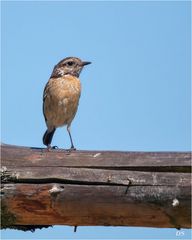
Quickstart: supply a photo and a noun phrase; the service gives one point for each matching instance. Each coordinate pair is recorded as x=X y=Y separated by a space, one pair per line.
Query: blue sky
x=136 y=92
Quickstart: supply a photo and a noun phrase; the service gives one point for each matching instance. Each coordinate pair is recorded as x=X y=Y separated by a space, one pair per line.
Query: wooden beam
x=148 y=189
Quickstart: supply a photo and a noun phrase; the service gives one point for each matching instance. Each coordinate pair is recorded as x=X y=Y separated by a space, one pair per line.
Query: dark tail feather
x=47 y=137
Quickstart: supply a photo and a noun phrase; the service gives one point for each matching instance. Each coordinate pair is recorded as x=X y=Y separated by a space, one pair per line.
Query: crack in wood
x=76 y=182
x=169 y=169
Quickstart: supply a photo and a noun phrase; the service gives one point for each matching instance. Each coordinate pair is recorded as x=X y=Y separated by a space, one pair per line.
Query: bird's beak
x=86 y=63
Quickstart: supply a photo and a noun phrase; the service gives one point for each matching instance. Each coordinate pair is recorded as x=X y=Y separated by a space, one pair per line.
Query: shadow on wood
x=91 y=188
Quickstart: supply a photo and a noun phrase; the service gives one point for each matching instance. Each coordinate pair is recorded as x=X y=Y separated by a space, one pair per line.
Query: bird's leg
x=72 y=146
x=49 y=147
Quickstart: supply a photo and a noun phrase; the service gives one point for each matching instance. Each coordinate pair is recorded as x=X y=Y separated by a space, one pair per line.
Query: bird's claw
x=49 y=148
x=71 y=149
x=55 y=147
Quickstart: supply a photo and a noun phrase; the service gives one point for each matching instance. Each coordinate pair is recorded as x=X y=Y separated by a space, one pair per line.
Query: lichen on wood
x=8 y=219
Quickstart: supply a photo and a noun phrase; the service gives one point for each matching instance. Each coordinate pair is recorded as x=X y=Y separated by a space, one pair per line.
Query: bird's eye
x=70 y=63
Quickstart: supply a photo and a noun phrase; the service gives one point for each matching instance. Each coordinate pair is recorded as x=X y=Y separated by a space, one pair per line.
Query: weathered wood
x=149 y=189
x=97 y=176
x=97 y=205
x=101 y=159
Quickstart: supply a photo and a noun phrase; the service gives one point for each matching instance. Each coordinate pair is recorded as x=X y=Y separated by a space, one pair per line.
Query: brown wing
x=45 y=92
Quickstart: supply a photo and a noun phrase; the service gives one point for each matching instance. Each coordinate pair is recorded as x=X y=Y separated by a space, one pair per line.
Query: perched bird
x=61 y=97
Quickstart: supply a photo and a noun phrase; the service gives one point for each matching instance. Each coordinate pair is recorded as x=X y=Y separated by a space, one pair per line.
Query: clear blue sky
x=136 y=93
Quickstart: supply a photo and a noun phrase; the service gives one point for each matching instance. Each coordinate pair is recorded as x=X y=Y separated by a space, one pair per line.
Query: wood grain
x=149 y=189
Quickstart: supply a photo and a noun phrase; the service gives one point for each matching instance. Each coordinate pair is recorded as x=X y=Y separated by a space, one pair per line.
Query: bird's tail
x=47 y=137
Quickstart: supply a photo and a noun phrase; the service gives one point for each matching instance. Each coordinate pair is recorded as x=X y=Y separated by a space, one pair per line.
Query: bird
x=61 y=97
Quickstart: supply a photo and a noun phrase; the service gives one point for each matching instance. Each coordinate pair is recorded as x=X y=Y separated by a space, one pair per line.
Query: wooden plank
x=177 y=161
x=97 y=176
x=77 y=205
x=148 y=189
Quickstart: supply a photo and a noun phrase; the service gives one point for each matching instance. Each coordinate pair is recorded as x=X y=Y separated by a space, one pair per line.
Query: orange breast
x=61 y=98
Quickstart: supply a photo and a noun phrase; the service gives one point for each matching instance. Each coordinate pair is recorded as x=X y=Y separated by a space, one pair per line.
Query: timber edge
x=158 y=179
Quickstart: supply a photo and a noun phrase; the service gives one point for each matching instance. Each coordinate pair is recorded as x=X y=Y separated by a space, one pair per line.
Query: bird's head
x=69 y=65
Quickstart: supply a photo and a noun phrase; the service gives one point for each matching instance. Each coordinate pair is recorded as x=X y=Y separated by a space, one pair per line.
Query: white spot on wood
x=16 y=175
x=175 y=202
x=109 y=178
x=96 y=155
x=3 y=169
x=154 y=179
x=55 y=189
x=9 y=186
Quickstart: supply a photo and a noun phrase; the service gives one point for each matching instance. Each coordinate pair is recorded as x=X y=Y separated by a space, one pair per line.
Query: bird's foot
x=55 y=147
x=71 y=149
x=49 y=148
